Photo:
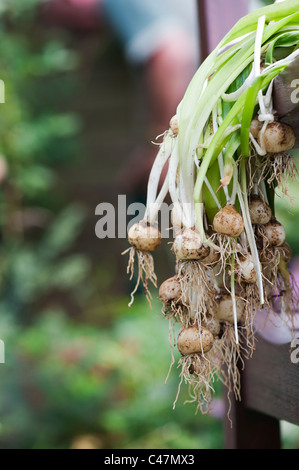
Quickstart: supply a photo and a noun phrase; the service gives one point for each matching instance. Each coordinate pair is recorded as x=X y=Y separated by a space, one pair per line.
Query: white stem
x=235 y=186
x=177 y=193
x=220 y=120
x=263 y=109
x=263 y=189
x=235 y=310
x=256 y=69
x=186 y=210
x=205 y=221
x=153 y=209
x=268 y=97
x=231 y=130
x=212 y=193
x=188 y=216
x=221 y=168
x=255 y=190
x=232 y=43
x=214 y=118
x=243 y=241
x=236 y=94
x=204 y=87
x=172 y=174
x=285 y=61
x=157 y=168
x=220 y=156
x=266 y=117
x=252 y=244
x=259 y=150
x=258 y=45
x=208 y=185
x=262 y=133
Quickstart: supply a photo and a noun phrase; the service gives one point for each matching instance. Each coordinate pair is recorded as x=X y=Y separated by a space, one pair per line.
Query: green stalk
x=194 y=110
x=216 y=144
x=273 y=12
x=233 y=294
x=196 y=107
x=243 y=199
x=250 y=104
x=287 y=39
x=247 y=115
x=229 y=153
x=220 y=137
x=213 y=176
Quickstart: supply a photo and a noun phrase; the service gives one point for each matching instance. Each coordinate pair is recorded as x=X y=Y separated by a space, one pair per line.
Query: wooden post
x=270 y=383
x=216 y=18
x=247 y=427
x=251 y=429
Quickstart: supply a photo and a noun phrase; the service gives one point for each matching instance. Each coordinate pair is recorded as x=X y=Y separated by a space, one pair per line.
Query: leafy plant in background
x=66 y=381
x=36 y=142
x=61 y=378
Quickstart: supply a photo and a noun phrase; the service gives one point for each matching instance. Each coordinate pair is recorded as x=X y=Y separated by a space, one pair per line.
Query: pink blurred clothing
x=74 y=14
x=274 y=327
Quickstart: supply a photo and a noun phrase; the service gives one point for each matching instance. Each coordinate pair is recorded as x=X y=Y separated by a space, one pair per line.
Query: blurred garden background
x=82 y=370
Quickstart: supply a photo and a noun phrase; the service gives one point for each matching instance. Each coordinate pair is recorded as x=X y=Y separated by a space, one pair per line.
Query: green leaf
x=69 y=273
x=34 y=180
x=275 y=12
x=247 y=115
x=283 y=40
x=64 y=231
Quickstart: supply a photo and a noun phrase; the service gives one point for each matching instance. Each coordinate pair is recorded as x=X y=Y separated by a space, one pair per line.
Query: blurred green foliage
x=64 y=380
x=37 y=140
x=100 y=373
x=96 y=377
